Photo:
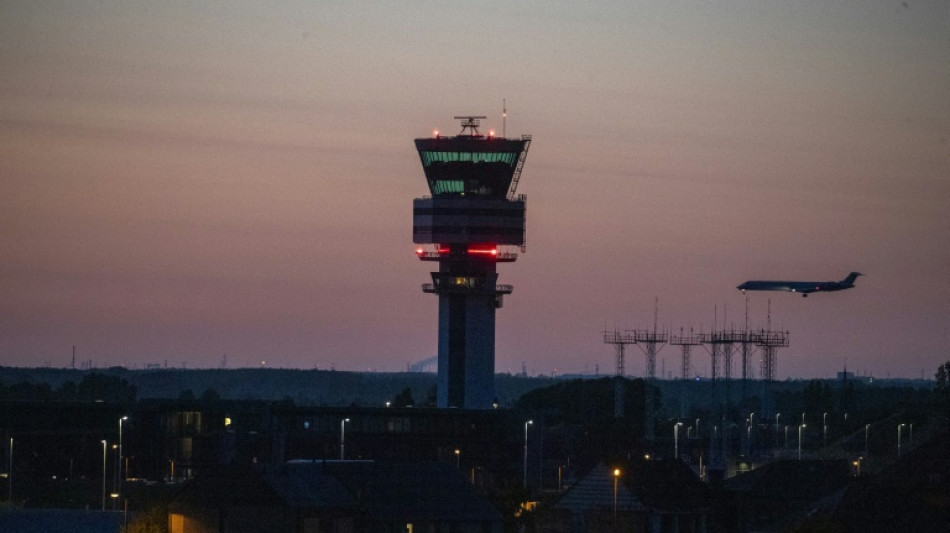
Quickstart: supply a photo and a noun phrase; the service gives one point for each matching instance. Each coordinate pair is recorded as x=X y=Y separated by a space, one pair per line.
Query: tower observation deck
x=472 y=211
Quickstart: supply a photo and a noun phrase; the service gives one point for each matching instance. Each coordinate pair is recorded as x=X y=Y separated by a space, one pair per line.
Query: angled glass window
x=430 y=157
x=448 y=186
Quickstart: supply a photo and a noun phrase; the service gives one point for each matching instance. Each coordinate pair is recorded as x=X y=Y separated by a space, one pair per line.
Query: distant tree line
x=93 y=387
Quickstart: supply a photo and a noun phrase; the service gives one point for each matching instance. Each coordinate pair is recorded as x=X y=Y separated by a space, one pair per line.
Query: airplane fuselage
x=803 y=287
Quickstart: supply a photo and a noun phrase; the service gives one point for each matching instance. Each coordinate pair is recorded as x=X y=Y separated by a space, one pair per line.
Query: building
x=337 y=496
x=774 y=495
x=472 y=211
x=177 y=439
x=650 y=496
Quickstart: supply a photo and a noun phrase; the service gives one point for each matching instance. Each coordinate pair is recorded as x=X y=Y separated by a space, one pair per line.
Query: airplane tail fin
x=849 y=281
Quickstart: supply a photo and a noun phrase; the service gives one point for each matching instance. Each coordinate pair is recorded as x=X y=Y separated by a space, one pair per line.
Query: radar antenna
x=470 y=123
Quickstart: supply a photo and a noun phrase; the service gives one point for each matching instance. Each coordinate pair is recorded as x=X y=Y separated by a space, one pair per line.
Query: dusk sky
x=210 y=183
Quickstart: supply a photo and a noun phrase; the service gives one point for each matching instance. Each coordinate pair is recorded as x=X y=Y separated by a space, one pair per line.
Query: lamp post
x=899 y=427
x=103 y=475
x=115 y=475
x=343 y=438
x=121 y=474
x=866 y=428
x=676 y=440
x=616 y=478
x=824 y=429
x=786 y=436
x=800 y=441
x=748 y=437
x=526 y=424
x=698 y=435
x=458 y=460
x=751 y=424
x=777 y=415
x=10 y=472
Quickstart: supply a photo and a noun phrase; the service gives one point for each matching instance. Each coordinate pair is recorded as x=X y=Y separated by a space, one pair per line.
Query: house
x=775 y=493
x=651 y=496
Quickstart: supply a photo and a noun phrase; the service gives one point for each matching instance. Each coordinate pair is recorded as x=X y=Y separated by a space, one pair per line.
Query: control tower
x=471 y=212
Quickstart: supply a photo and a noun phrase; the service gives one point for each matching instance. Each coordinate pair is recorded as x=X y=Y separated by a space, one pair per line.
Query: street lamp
x=866 y=428
x=10 y=471
x=676 y=440
x=800 y=441
x=899 y=426
x=616 y=478
x=458 y=455
x=824 y=429
x=786 y=436
x=748 y=438
x=115 y=474
x=751 y=423
x=103 y=475
x=343 y=438
x=121 y=456
x=526 y=424
x=777 y=415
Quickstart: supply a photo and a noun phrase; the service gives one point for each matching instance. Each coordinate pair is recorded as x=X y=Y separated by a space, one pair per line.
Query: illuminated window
x=176 y=523
x=430 y=157
x=448 y=186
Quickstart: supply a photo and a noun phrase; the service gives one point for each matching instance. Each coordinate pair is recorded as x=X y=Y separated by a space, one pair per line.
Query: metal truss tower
x=686 y=343
x=652 y=342
x=620 y=340
x=769 y=342
x=721 y=349
x=746 y=349
x=472 y=211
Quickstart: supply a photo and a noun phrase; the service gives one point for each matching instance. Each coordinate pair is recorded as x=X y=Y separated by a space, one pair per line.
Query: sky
x=208 y=184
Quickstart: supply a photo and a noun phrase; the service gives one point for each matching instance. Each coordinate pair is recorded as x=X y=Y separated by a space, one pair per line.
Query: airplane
x=804 y=287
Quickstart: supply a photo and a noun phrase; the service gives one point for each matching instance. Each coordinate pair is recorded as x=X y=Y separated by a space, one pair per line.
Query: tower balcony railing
x=498 y=289
x=500 y=257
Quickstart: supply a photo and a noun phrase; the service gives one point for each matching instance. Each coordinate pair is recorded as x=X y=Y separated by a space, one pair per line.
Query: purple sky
x=183 y=180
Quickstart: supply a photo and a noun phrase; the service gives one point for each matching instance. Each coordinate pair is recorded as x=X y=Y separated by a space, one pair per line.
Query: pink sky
x=185 y=180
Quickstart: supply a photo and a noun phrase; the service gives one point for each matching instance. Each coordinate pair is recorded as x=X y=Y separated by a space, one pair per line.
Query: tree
x=404 y=398
x=100 y=387
x=943 y=377
x=210 y=395
x=942 y=392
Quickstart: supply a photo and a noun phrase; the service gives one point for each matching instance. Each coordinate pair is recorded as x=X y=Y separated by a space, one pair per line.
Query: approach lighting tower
x=651 y=342
x=686 y=342
x=620 y=340
x=769 y=342
x=472 y=211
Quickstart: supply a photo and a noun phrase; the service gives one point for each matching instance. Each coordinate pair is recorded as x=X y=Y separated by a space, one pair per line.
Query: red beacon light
x=491 y=133
x=420 y=251
x=483 y=251
x=435 y=133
